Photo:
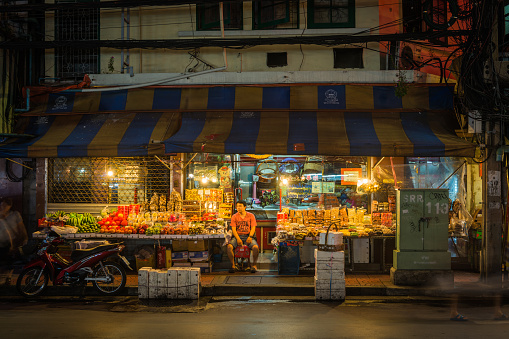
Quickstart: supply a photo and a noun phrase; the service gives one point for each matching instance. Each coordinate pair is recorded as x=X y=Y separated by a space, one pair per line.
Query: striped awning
x=373 y=133
x=295 y=97
x=92 y=135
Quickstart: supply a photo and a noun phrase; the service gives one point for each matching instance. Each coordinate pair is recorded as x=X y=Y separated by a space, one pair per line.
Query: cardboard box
x=168 y=258
x=177 y=264
x=204 y=266
x=197 y=245
x=180 y=256
x=150 y=262
x=199 y=256
x=161 y=257
x=179 y=245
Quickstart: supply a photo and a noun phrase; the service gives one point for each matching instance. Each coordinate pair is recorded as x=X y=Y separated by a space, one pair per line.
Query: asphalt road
x=246 y=317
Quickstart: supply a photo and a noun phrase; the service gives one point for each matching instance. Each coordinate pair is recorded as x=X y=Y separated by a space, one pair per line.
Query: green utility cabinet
x=422 y=230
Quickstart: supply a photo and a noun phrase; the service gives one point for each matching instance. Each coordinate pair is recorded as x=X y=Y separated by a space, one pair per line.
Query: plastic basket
x=288 y=258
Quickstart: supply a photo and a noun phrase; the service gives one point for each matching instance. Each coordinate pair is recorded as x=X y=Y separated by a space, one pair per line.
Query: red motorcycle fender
x=89 y=261
x=39 y=262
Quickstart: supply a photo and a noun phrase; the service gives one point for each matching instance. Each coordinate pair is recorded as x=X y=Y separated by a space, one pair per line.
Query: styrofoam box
x=194 y=276
x=329 y=256
x=330 y=274
x=329 y=294
x=152 y=284
x=334 y=238
x=162 y=287
x=331 y=284
x=143 y=280
x=323 y=265
x=183 y=283
x=172 y=283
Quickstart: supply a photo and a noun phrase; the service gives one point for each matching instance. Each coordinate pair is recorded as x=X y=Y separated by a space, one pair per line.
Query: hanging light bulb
x=204 y=180
x=285 y=181
x=110 y=173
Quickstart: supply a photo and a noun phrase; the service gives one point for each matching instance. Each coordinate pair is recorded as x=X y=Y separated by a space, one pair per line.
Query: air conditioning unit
x=499 y=67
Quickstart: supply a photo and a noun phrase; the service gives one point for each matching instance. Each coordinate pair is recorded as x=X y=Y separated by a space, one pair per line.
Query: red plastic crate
x=242 y=252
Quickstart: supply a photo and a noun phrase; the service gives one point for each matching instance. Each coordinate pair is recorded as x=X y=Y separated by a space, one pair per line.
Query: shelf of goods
x=351 y=222
x=225 y=211
x=193 y=208
x=208 y=194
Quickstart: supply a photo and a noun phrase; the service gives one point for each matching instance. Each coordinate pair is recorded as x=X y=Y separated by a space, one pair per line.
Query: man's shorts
x=233 y=242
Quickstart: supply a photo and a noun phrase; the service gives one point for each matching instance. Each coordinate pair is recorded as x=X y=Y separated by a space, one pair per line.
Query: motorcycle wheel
x=26 y=284
x=115 y=273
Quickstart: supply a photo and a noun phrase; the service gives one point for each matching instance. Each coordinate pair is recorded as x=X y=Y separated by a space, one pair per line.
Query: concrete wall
x=180 y=22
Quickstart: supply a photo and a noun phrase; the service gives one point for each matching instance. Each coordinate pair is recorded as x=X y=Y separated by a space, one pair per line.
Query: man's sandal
x=459 y=317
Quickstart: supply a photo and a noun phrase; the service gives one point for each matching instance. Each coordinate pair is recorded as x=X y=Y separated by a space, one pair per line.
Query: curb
x=247 y=290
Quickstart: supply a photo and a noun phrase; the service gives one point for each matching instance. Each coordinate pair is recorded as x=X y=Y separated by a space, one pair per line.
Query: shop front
x=302 y=157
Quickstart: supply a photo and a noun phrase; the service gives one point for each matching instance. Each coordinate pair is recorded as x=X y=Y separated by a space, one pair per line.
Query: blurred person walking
x=13 y=236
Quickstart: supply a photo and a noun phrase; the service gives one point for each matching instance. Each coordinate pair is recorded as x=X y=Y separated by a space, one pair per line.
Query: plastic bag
x=65 y=229
x=104 y=211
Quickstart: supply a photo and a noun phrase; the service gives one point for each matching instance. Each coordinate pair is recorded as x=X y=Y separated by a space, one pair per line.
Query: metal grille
x=107 y=180
x=77 y=24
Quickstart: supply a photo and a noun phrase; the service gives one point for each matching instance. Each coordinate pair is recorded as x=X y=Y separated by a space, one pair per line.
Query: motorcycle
x=87 y=265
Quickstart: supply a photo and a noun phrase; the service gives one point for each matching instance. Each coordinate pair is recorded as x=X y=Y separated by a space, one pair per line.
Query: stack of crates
x=174 y=283
x=330 y=268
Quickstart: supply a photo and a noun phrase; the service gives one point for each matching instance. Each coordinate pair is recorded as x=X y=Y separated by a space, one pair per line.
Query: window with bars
x=348 y=58
x=331 y=13
x=275 y=14
x=208 y=16
x=76 y=24
x=107 y=180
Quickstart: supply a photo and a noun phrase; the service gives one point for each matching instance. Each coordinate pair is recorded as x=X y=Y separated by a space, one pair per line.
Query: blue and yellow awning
x=92 y=135
x=325 y=119
x=426 y=134
x=327 y=97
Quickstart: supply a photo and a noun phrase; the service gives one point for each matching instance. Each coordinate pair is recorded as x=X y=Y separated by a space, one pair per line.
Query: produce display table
x=134 y=236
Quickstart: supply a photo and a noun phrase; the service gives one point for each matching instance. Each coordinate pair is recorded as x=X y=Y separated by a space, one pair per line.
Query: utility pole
x=491 y=259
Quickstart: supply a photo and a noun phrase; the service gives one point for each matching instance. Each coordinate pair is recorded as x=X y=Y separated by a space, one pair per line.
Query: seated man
x=243 y=232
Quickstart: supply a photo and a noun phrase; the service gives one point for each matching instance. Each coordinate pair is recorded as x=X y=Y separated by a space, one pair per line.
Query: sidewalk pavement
x=267 y=283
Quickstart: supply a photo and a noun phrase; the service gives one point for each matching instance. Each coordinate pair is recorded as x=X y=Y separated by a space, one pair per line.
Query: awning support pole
x=168 y=167
x=30 y=168
x=449 y=177
x=377 y=163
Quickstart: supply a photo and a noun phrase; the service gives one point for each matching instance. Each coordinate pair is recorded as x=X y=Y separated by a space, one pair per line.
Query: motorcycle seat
x=79 y=254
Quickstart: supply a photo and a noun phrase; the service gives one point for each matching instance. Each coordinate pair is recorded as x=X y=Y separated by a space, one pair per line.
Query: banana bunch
x=86 y=222
x=58 y=215
x=312 y=233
